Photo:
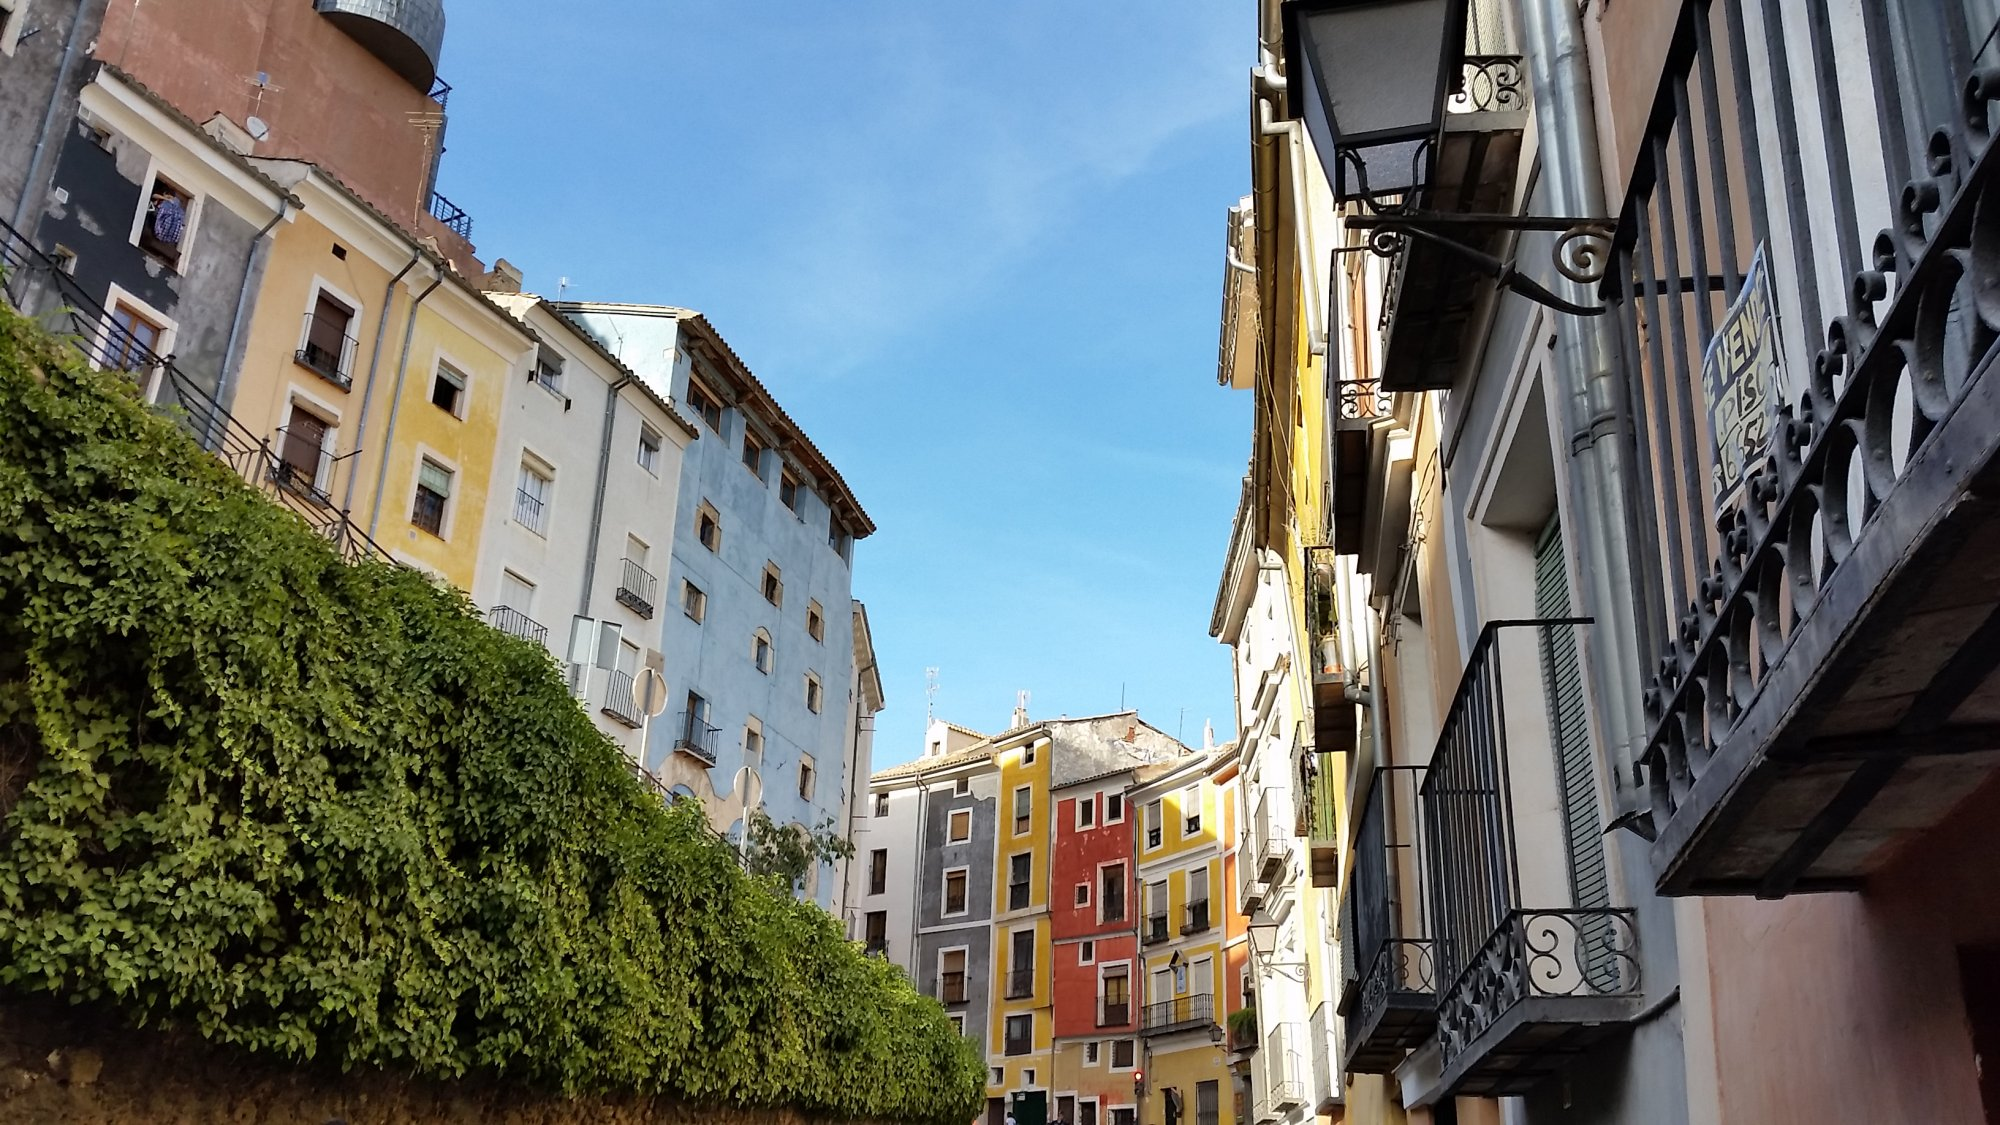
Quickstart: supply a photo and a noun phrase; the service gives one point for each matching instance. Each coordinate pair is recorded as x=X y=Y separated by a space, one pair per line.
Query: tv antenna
x=930 y=694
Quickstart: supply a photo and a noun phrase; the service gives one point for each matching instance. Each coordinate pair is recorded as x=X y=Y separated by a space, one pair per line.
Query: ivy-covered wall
x=321 y=811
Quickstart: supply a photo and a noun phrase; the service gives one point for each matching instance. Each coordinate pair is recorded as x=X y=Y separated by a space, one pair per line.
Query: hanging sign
x=1742 y=379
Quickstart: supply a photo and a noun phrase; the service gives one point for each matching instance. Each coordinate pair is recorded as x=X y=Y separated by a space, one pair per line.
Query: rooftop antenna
x=1181 y=726
x=1121 y=695
x=562 y=286
x=930 y=695
x=1020 y=710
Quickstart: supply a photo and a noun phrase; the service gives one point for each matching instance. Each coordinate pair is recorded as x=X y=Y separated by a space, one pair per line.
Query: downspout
x=1596 y=414
x=396 y=402
x=232 y=363
x=597 y=497
x=49 y=116
x=374 y=361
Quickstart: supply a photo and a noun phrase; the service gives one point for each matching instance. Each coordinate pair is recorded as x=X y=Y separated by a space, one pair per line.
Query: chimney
x=504 y=277
x=1131 y=734
x=1020 y=710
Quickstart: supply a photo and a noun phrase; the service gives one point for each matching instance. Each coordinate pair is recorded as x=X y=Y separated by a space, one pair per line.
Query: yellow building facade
x=1022 y=1014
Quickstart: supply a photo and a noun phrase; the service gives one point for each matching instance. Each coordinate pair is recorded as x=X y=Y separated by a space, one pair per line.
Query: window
x=997 y=1076
x=1086 y=952
x=1086 y=1109
x=962 y=786
x=1155 y=830
x=549 y=371
x=876 y=931
x=303 y=462
x=169 y=214
x=328 y=347
x=1020 y=1033
x=1083 y=894
x=709 y=525
x=1114 y=808
x=134 y=339
x=517 y=593
x=1115 y=986
x=433 y=493
x=1121 y=1059
x=753 y=740
x=957 y=1020
x=531 y=498
x=753 y=451
x=448 y=391
x=1086 y=811
x=1019 y=866
x=878 y=871
x=1028 y=754
x=813 y=693
x=760 y=651
x=649 y=449
x=806 y=776
x=1124 y=1114
x=774 y=585
x=954 y=891
x=706 y=405
x=1090 y=1057
x=959 y=827
x=1023 y=810
x=815 y=622
x=65 y=259
x=788 y=490
x=951 y=976
x=881 y=804
x=694 y=603
x=1191 y=811
x=1111 y=892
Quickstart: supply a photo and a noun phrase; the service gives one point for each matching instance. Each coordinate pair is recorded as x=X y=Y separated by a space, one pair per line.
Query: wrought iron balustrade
x=452 y=216
x=1021 y=983
x=1156 y=928
x=1393 y=1006
x=951 y=987
x=1283 y=1067
x=1197 y=917
x=636 y=588
x=329 y=343
x=1181 y=1013
x=1488 y=84
x=1362 y=400
x=619 y=700
x=1114 y=1013
x=1514 y=975
x=1274 y=832
x=514 y=623
x=528 y=510
x=697 y=737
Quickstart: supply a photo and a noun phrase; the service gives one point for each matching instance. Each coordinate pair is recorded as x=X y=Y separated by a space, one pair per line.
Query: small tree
x=789 y=851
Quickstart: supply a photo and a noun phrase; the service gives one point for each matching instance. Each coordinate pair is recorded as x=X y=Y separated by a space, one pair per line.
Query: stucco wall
x=25 y=96
x=975 y=854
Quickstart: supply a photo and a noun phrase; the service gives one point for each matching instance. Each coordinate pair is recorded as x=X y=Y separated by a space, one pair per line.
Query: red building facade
x=1093 y=912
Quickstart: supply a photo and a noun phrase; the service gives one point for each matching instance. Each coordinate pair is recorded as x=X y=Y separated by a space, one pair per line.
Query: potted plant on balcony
x=1243 y=1030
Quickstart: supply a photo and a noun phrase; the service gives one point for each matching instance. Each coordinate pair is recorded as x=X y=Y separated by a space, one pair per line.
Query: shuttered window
x=1569 y=724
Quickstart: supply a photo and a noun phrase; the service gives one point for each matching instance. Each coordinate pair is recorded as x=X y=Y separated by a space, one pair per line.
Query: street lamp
x=1372 y=77
x=1264 y=946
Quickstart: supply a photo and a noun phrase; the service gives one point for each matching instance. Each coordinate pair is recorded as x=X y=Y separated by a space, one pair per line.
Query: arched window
x=760 y=652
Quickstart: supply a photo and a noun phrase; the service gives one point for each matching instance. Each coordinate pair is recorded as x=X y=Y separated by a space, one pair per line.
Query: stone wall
x=63 y=1065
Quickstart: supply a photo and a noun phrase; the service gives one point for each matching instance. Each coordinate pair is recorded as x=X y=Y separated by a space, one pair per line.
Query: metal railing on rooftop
x=452 y=216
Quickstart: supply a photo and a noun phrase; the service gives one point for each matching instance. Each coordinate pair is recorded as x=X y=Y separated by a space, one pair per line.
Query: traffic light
x=1138 y=1081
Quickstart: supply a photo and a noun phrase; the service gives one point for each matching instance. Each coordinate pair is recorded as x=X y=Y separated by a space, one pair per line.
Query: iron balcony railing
x=39 y=288
x=697 y=737
x=636 y=587
x=1018 y=1045
x=1114 y=1013
x=1284 y=1067
x=441 y=93
x=528 y=510
x=452 y=216
x=1326 y=1080
x=1509 y=970
x=619 y=701
x=951 y=987
x=1197 y=917
x=328 y=344
x=514 y=623
x=1156 y=928
x=1392 y=1004
x=303 y=468
x=1274 y=832
x=1021 y=983
x=1181 y=1013
x=1249 y=881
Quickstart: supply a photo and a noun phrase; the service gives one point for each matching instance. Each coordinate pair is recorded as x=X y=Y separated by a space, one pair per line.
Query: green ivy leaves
x=322 y=811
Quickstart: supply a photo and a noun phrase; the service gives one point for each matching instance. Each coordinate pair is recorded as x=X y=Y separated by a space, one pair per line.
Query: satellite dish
x=256 y=128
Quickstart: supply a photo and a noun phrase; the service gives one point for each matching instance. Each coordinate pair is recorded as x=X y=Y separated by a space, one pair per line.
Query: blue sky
x=976 y=250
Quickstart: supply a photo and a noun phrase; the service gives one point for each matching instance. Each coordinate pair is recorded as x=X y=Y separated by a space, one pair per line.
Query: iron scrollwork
x=1489 y=84
x=1539 y=953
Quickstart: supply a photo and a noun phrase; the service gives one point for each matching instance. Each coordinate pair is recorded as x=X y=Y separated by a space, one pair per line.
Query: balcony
x=1021 y=983
x=1249 y=884
x=1156 y=928
x=514 y=623
x=697 y=739
x=1532 y=963
x=1114 y=1013
x=1283 y=1069
x=951 y=988
x=1335 y=722
x=1274 y=829
x=1432 y=291
x=636 y=587
x=1390 y=1005
x=1828 y=693
x=619 y=700
x=407 y=35
x=452 y=216
x=529 y=511
x=1182 y=1013
x=1319 y=817
x=328 y=345
x=1327 y=1086
x=1197 y=917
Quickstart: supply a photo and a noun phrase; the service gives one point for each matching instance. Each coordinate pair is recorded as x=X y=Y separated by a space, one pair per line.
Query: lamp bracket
x=1581 y=253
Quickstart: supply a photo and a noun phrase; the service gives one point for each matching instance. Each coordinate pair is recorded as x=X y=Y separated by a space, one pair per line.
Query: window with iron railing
x=951 y=986
x=1197 y=917
x=1021 y=983
x=1156 y=928
x=636 y=586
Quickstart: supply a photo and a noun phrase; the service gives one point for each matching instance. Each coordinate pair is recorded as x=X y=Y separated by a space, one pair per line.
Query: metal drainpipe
x=374 y=361
x=232 y=366
x=1597 y=416
x=597 y=499
x=49 y=116
x=396 y=402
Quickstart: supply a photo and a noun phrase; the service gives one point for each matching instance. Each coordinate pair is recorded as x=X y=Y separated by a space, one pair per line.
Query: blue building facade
x=757 y=618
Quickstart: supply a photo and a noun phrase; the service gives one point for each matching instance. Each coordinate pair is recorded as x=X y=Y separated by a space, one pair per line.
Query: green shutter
x=1569 y=723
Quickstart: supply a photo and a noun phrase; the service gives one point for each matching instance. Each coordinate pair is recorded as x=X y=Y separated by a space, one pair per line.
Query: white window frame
x=957 y=1021
x=191 y=223
x=962 y=786
x=1092 y=1052
x=1086 y=952
x=951 y=819
x=1014 y=815
x=1125 y=881
x=1087 y=802
x=1104 y=969
x=1028 y=754
x=966 y=953
x=1108 y=819
x=426 y=453
x=881 y=805
x=464 y=386
x=1082 y=896
x=351 y=343
x=295 y=395
x=650 y=439
x=540 y=466
x=1153 y=811
x=1112 y=1051
x=116 y=295
x=701 y=602
x=1200 y=820
x=944 y=892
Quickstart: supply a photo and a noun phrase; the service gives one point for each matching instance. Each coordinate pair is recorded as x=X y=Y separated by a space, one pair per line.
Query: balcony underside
x=1884 y=710
x=1377 y=1045
x=1437 y=291
x=1536 y=1038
